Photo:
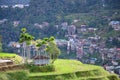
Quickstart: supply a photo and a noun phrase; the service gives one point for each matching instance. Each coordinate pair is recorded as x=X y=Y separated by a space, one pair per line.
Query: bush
x=4 y=76
x=18 y=75
x=45 y=68
x=113 y=77
x=59 y=78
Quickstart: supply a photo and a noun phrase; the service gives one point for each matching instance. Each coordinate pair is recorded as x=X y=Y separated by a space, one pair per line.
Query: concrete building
x=71 y=30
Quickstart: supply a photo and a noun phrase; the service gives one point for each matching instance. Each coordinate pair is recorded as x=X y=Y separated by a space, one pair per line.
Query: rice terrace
x=63 y=70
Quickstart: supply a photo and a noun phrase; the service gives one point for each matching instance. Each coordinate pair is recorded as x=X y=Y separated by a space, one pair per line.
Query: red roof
x=118 y=49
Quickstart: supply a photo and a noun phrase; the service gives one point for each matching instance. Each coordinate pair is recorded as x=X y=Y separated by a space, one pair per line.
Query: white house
x=64 y=25
x=18 y=6
x=3 y=21
x=41 y=60
x=4 y=6
x=16 y=23
x=38 y=25
x=115 y=25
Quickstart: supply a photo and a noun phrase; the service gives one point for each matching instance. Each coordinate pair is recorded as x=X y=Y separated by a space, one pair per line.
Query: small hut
x=41 y=60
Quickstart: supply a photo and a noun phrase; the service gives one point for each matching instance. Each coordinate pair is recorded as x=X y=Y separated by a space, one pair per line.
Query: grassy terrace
x=74 y=70
x=7 y=54
x=68 y=66
x=17 y=59
x=64 y=70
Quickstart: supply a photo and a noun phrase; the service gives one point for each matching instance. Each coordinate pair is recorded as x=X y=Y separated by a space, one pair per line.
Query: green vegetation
x=25 y=39
x=17 y=59
x=0 y=47
x=46 y=44
x=14 y=75
x=53 y=50
x=64 y=70
x=45 y=68
x=60 y=11
x=55 y=12
x=73 y=70
x=50 y=47
x=13 y=2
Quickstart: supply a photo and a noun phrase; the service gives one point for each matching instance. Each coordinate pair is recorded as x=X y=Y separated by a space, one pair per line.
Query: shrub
x=4 y=77
x=113 y=77
x=59 y=78
x=45 y=68
x=18 y=75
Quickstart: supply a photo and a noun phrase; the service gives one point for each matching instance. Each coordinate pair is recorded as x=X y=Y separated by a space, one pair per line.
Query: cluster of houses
x=72 y=29
x=3 y=21
x=82 y=46
x=88 y=45
x=44 y=24
x=91 y=45
x=21 y=6
x=74 y=41
x=15 y=23
x=113 y=68
x=85 y=28
x=115 y=25
x=110 y=54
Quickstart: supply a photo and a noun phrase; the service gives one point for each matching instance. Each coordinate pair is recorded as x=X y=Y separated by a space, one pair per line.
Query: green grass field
x=64 y=70
x=17 y=59
x=73 y=70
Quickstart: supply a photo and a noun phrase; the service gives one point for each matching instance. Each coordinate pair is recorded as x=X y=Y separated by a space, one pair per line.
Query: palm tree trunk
x=24 y=51
x=28 y=52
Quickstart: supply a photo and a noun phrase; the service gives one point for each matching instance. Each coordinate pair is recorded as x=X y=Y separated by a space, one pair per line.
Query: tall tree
x=50 y=47
x=25 y=39
x=53 y=50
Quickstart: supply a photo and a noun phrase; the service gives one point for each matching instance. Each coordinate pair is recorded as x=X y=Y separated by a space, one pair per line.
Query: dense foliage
x=54 y=12
x=64 y=70
x=45 y=68
x=12 y=2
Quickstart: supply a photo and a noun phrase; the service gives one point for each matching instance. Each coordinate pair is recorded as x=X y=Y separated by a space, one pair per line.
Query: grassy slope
x=12 y=56
x=65 y=70
x=73 y=70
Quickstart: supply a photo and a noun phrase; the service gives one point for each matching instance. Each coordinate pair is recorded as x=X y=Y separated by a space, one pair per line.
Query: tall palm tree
x=25 y=39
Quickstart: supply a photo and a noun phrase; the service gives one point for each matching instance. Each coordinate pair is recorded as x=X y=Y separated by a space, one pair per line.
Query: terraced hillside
x=74 y=70
x=64 y=70
x=17 y=59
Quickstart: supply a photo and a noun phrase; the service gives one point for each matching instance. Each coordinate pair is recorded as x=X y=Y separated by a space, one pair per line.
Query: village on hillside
x=84 y=47
x=59 y=40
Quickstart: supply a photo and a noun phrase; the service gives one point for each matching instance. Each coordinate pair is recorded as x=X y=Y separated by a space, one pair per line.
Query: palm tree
x=48 y=45
x=25 y=39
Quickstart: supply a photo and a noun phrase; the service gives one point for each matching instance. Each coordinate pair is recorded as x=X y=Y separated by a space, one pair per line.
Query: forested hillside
x=12 y=2
x=53 y=12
